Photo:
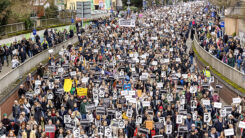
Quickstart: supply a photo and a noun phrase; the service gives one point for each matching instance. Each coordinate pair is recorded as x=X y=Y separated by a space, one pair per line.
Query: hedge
x=214 y=71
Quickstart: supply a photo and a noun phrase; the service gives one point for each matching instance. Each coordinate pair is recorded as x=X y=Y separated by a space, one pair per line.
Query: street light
x=128 y=2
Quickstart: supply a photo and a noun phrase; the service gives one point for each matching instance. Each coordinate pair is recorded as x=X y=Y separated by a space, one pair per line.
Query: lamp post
x=128 y=2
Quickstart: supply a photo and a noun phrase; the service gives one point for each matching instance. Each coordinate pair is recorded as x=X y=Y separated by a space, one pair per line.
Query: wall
x=227 y=71
x=241 y=26
x=234 y=25
x=230 y=25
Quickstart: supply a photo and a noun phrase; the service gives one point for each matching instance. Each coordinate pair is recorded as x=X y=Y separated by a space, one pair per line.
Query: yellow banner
x=67 y=85
x=82 y=91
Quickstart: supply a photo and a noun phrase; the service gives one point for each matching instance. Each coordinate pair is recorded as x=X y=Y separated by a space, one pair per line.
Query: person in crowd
x=15 y=62
x=124 y=80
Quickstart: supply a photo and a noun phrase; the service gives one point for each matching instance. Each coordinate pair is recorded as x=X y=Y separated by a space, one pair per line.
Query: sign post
x=83 y=10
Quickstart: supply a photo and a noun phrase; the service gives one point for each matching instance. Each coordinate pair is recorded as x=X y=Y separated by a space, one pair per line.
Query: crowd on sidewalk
x=228 y=49
x=19 y=51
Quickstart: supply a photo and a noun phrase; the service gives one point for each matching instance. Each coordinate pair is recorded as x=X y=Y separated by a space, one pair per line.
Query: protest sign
x=149 y=124
x=127 y=22
x=82 y=91
x=236 y=100
x=217 y=105
x=229 y=132
x=49 y=128
x=241 y=124
x=67 y=85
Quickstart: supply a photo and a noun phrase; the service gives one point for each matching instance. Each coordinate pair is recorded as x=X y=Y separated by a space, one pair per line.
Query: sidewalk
x=5 y=69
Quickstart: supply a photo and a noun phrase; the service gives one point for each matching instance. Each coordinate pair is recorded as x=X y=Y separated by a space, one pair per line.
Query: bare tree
x=225 y=3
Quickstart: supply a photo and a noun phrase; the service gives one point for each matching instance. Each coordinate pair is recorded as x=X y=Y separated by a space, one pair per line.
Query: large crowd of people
x=19 y=51
x=126 y=82
x=228 y=49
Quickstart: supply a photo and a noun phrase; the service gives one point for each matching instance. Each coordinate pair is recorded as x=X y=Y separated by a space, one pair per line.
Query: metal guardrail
x=232 y=74
x=54 y=21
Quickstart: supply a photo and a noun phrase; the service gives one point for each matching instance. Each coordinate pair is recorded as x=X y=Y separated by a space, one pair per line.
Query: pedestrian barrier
x=14 y=75
x=227 y=71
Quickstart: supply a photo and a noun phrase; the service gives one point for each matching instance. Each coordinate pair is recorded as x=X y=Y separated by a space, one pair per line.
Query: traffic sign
x=83 y=9
x=222 y=24
x=34 y=31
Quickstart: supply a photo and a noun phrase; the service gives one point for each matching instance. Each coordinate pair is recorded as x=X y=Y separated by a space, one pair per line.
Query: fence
x=227 y=71
x=54 y=21
x=12 y=28
x=14 y=75
x=17 y=27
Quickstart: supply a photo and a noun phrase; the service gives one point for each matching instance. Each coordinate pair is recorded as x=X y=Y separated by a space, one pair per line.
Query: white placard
x=185 y=76
x=51 y=85
x=139 y=119
x=60 y=70
x=166 y=60
x=61 y=53
x=73 y=73
x=85 y=80
x=146 y=103
x=37 y=82
x=154 y=63
x=67 y=119
x=76 y=132
x=121 y=124
x=128 y=97
x=236 y=100
x=207 y=117
x=159 y=85
x=206 y=102
x=132 y=100
x=241 y=124
x=131 y=92
x=217 y=105
x=129 y=113
x=50 y=51
x=178 y=60
x=193 y=104
x=178 y=75
x=118 y=114
x=108 y=131
x=192 y=90
x=223 y=113
x=153 y=38
x=170 y=97
x=171 y=49
x=194 y=116
x=229 y=132
x=179 y=119
x=124 y=93
x=169 y=129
